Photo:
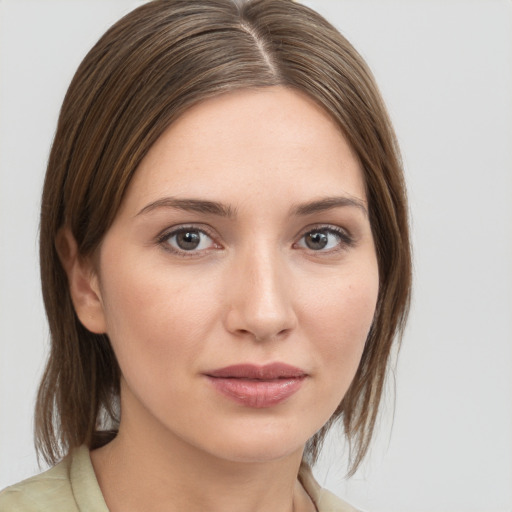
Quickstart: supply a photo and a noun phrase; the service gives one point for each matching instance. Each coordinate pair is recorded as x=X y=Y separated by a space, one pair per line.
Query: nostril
x=259 y=297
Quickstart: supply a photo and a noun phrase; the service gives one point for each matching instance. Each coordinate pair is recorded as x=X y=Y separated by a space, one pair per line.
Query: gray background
x=445 y=70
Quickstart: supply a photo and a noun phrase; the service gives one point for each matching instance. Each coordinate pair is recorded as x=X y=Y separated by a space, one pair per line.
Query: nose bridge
x=260 y=297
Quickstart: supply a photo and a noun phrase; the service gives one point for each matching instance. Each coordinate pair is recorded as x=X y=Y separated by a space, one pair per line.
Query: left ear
x=83 y=283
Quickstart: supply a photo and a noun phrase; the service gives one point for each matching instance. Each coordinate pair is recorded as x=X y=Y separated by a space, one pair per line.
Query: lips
x=257 y=386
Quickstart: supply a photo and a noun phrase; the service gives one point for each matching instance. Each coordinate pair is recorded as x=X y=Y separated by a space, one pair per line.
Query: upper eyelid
x=320 y=227
x=167 y=232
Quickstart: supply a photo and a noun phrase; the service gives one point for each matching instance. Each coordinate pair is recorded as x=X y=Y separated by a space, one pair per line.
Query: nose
x=260 y=305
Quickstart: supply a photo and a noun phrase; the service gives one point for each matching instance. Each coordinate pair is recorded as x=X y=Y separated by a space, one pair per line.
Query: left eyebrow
x=328 y=203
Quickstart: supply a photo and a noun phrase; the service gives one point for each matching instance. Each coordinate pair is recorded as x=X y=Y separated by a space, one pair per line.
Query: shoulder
x=324 y=500
x=70 y=486
x=50 y=490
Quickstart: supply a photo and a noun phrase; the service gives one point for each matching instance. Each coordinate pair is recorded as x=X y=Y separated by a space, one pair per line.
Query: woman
x=225 y=263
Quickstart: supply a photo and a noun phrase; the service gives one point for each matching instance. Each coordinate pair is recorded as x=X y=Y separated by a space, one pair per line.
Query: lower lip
x=257 y=393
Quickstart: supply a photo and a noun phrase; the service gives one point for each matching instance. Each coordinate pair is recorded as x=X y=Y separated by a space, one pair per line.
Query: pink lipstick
x=257 y=386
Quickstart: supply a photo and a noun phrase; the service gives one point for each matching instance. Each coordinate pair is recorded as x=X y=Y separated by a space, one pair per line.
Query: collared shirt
x=71 y=486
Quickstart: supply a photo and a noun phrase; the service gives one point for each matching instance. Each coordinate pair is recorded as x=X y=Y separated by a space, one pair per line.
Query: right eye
x=187 y=240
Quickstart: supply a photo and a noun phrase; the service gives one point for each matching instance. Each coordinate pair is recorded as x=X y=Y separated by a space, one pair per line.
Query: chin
x=258 y=445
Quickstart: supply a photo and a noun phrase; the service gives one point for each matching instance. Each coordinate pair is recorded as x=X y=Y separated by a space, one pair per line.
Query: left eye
x=321 y=239
x=188 y=239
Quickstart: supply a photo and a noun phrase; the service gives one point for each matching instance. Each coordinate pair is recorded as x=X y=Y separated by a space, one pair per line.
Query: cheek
x=155 y=320
x=338 y=321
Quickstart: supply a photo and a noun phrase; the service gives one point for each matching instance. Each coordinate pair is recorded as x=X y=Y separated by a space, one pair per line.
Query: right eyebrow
x=191 y=205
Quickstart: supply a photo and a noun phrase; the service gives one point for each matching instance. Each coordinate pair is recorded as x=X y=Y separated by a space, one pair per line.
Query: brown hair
x=142 y=74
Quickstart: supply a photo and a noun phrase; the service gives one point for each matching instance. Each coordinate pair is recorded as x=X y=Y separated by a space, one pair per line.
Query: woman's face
x=239 y=279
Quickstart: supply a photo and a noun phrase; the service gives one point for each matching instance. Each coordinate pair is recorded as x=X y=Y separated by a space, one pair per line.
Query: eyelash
x=345 y=240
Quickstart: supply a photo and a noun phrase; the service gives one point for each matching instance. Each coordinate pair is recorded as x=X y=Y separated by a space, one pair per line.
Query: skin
x=252 y=292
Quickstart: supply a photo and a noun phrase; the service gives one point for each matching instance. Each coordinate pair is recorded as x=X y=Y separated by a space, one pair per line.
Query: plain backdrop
x=445 y=71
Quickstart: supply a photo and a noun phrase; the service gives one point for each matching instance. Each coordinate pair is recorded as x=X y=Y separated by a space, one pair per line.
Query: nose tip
x=261 y=306
x=259 y=326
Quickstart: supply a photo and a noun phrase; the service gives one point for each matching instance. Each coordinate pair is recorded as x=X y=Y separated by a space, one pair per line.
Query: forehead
x=270 y=142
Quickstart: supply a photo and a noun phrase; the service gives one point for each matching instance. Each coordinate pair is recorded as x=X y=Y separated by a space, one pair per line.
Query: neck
x=152 y=470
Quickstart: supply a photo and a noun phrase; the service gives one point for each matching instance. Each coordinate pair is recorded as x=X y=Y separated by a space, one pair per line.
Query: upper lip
x=259 y=372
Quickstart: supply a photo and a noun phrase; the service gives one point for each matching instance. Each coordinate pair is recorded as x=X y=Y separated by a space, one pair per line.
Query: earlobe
x=82 y=281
